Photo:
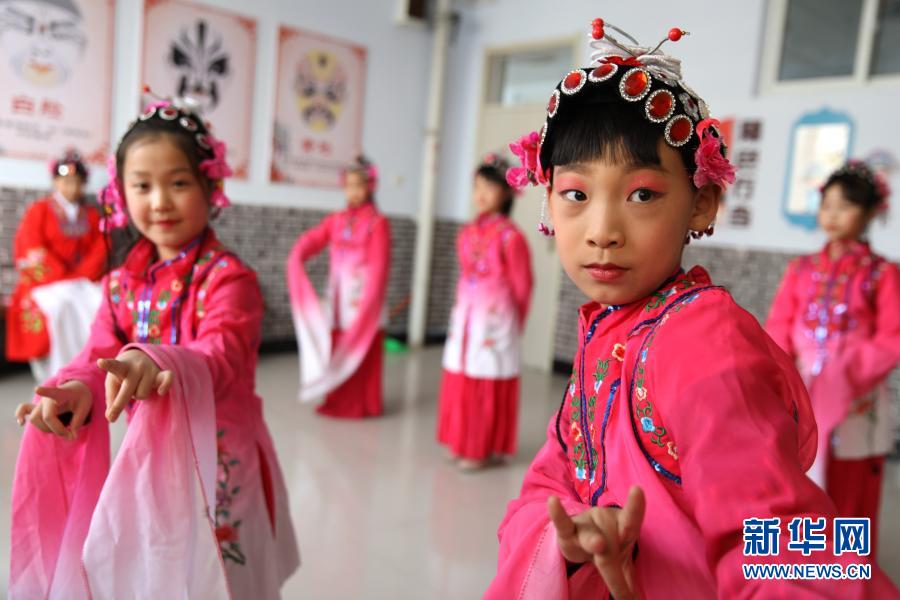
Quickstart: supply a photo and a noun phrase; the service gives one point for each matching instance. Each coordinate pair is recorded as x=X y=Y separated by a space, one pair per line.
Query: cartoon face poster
x=55 y=77
x=318 y=108
x=209 y=55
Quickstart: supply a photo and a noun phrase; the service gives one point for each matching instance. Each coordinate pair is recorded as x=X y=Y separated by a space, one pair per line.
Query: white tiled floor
x=379 y=512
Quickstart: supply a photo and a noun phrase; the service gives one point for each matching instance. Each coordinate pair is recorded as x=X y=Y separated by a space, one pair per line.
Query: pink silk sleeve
x=742 y=453
x=530 y=565
x=517 y=258
x=780 y=322
x=863 y=363
x=57 y=482
x=228 y=335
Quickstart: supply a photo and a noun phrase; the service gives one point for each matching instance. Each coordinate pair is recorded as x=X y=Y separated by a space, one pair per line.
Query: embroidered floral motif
x=163 y=300
x=659 y=298
x=32 y=320
x=227 y=530
x=583 y=413
x=673 y=451
x=643 y=406
x=115 y=287
x=200 y=307
x=619 y=352
x=579 y=453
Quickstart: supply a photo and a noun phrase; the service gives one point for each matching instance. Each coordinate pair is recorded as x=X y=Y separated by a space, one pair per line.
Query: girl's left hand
x=132 y=375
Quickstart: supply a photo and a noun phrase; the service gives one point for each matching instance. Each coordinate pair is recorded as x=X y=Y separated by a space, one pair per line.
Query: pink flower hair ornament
x=367 y=168
x=877 y=179
x=529 y=172
x=712 y=165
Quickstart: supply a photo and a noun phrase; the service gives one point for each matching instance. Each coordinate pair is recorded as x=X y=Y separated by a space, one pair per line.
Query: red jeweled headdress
x=646 y=79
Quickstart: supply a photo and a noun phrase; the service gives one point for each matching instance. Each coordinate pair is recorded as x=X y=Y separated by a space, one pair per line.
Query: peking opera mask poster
x=209 y=55
x=55 y=77
x=318 y=108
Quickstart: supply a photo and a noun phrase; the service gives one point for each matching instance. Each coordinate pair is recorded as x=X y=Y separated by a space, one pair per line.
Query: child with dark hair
x=836 y=314
x=59 y=239
x=479 y=397
x=195 y=504
x=684 y=428
x=341 y=340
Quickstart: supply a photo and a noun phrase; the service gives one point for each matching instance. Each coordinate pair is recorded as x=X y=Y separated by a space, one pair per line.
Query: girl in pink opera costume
x=682 y=422
x=479 y=397
x=195 y=504
x=837 y=314
x=341 y=340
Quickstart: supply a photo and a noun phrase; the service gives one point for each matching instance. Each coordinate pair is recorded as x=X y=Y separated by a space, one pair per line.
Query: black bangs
x=497 y=177
x=609 y=132
x=594 y=128
x=493 y=175
x=856 y=189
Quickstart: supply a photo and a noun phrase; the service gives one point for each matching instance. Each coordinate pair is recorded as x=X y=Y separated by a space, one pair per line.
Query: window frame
x=773 y=40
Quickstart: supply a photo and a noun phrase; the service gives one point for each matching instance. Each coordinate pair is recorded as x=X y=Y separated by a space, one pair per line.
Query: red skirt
x=478 y=417
x=361 y=395
x=855 y=487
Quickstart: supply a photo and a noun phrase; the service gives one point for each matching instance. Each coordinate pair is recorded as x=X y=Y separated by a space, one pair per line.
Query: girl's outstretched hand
x=71 y=399
x=605 y=536
x=132 y=375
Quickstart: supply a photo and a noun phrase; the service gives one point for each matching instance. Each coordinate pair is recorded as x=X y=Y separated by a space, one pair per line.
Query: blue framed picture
x=820 y=142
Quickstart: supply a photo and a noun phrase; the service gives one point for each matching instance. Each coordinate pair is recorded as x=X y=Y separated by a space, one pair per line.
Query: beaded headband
x=637 y=76
x=184 y=112
x=68 y=164
x=859 y=169
x=367 y=168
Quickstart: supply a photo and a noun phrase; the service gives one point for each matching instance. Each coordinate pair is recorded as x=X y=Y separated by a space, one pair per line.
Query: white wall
x=720 y=60
x=394 y=112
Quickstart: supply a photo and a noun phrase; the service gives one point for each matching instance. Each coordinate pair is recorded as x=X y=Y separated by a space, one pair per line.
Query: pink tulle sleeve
x=517 y=258
x=745 y=436
x=530 y=565
x=780 y=321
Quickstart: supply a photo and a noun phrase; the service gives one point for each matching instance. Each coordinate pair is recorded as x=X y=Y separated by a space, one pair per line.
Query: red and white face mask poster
x=55 y=77
x=318 y=108
x=208 y=55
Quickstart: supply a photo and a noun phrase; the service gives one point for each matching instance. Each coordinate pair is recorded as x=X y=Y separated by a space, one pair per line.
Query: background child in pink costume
x=836 y=313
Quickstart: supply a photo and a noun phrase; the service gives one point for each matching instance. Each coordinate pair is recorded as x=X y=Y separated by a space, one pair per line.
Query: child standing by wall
x=837 y=314
x=341 y=344
x=478 y=415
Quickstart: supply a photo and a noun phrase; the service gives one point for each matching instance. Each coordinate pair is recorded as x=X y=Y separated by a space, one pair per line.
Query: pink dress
x=340 y=339
x=840 y=320
x=480 y=386
x=685 y=395
x=197 y=471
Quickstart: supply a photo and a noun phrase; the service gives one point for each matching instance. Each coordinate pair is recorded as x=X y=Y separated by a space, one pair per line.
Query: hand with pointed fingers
x=604 y=536
x=70 y=399
x=132 y=375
